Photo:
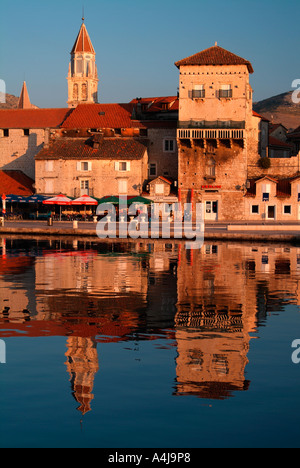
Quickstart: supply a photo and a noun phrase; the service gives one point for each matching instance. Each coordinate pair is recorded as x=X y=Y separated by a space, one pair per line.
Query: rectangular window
x=225 y=91
x=49 y=166
x=266 y=197
x=84 y=187
x=169 y=146
x=122 y=166
x=5 y=132
x=26 y=131
x=84 y=166
x=255 y=209
x=152 y=170
x=84 y=184
x=198 y=92
x=287 y=209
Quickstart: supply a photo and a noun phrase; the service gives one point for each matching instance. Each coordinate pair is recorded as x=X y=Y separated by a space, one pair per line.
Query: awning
x=85 y=200
x=58 y=200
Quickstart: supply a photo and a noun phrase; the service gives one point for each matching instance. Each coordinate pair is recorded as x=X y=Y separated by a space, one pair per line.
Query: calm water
x=148 y=345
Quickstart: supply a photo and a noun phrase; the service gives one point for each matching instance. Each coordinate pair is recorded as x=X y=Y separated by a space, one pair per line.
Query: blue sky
x=137 y=43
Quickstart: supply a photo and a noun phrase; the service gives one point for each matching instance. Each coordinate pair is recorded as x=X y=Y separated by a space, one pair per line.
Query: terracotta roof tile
x=283 y=187
x=15 y=183
x=275 y=142
x=99 y=116
x=260 y=116
x=82 y=149
x=214 y=56
x=164 y=179
x=33 y=118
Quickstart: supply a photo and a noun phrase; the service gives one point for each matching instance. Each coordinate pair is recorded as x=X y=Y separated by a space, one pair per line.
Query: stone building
x=119 y=136
x=222 y=142
x=218 y=133
x=97 y=166
x=23 y=133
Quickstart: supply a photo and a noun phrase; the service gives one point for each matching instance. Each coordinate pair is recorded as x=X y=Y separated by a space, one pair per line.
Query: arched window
x=75 y=92
x=211 y=168
x=79 y=65
x=84 y=92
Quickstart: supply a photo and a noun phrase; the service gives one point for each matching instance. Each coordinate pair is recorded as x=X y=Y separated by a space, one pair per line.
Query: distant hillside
x=280 y=109
x=11 y=102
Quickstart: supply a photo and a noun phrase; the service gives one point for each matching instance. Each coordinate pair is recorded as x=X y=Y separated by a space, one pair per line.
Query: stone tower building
x=83 y=75
x=214 y=131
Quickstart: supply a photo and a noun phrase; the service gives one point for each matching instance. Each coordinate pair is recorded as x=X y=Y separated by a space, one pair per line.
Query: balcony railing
x=198 y=93
x=210 y=134
x=213 y=124
x=225 y=93
x=78 y=192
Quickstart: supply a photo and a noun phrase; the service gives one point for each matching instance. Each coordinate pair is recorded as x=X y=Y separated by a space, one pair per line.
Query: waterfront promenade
x=263 y=231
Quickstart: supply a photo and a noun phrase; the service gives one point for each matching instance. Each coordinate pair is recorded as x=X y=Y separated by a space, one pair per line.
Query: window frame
x=118 y=169
x=154 y=166
x=167 y=143
x=258 y=209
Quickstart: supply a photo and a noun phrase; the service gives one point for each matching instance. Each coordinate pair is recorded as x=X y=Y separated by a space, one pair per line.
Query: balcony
x=198 y=94
x=210 y=134
x=213 y=124
x=225 y=93
x=78 y=192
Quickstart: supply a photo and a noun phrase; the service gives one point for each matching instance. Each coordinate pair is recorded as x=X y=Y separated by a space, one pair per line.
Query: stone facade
x=162 y=150
x=17 y=150
x=220 y=139
x=216 y=131
x=117 y=166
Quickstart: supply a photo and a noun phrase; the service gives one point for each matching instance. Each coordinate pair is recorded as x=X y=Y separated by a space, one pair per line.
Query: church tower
x=83 y=75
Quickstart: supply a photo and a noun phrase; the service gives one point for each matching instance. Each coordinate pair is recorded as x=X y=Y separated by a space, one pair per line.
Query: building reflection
x=209 y=303
x=82 y=365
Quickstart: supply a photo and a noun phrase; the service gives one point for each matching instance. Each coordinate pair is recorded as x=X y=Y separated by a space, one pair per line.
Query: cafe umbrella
x=84 y=200
x=59 y=200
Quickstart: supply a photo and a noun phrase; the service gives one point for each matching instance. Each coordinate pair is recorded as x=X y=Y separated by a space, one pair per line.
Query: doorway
x=271 y=212
x=211 y=210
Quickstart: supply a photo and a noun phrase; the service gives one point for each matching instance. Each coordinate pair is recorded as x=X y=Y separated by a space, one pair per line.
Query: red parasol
x=60 y=200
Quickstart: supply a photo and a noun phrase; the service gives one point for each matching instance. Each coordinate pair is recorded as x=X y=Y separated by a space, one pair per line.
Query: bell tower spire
x=83 y=75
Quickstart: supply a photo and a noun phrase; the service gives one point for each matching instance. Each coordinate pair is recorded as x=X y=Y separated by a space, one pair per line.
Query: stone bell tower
x=83 y=75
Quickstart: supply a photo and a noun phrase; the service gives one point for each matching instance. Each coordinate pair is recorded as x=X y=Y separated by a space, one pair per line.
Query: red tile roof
x=15 y=183
x=260 y=116
x=94 y=116
x=83 y=149
x=214 y=56
x=272 y=179
x=283 y=187
x=157 y=104
x=275 y=142
x=164 y=179
x=99 y=116
x=83 y=42
x=33 y=118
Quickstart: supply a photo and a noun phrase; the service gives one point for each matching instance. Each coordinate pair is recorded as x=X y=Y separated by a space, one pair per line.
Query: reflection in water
x=208 y=303
x=82 y=365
